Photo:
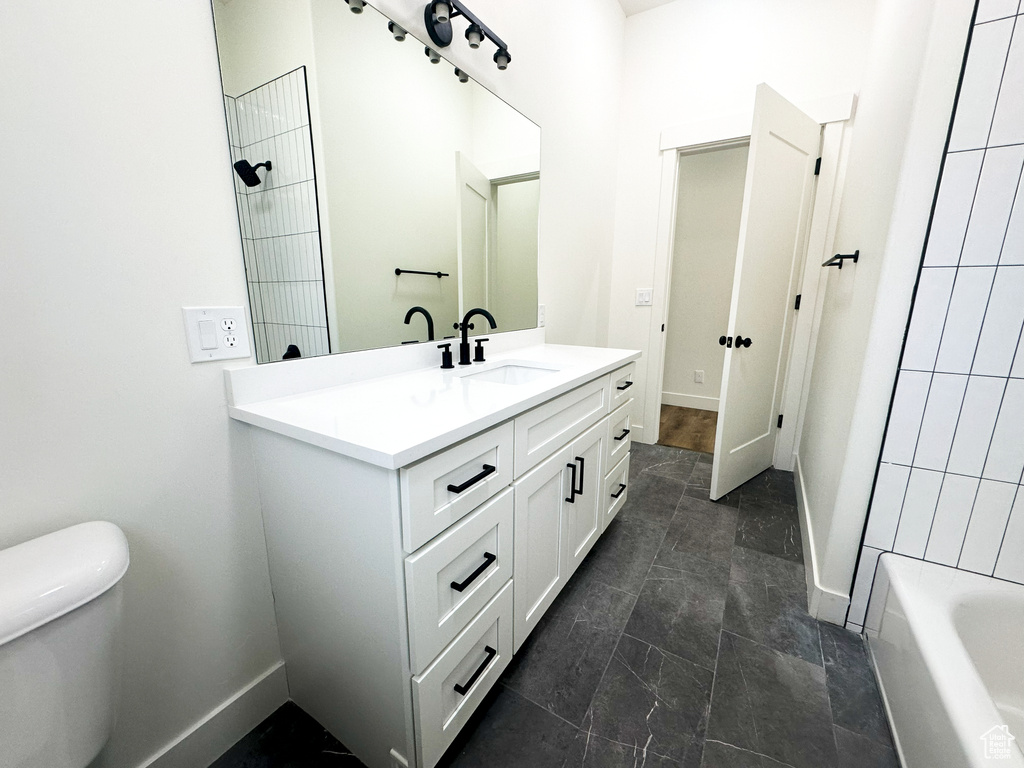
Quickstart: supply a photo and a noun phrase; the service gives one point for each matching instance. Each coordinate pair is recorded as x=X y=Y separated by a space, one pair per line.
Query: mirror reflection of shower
x=247 y=173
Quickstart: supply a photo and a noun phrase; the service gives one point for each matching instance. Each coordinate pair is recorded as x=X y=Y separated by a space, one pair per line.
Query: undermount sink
x=511 y=373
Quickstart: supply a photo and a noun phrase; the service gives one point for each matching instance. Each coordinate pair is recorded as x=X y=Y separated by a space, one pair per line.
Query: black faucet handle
x=478 y=357
x=446 y=355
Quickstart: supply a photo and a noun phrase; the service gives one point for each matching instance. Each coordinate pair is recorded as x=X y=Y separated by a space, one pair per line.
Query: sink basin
x=510 y=373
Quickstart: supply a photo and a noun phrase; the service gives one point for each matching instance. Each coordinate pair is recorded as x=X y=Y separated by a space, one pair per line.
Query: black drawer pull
x=622 y=487
x=488 y=469
x=622 y=436
x=488 y=559
x=572 y=484
x=463 y=689
x=627 y=385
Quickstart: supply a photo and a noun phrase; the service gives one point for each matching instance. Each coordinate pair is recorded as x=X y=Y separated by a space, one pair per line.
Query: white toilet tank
x=60 y=606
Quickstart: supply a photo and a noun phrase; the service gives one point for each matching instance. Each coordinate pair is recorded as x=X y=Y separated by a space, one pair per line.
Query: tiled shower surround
x=280 y=224
x=949 y=483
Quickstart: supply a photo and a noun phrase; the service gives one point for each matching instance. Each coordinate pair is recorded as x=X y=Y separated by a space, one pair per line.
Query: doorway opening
x=709 y=205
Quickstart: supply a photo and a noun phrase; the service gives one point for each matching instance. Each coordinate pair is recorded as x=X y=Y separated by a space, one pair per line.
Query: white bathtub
x=948 y=650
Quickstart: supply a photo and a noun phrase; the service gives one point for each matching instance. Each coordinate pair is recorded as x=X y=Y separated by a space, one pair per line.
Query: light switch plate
x=216 y=333
x=644 y=297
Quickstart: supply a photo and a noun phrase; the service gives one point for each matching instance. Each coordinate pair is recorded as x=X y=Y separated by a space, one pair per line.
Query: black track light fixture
x=438 y=15
x=356 y=6
x=433 y=55
x=463 y=77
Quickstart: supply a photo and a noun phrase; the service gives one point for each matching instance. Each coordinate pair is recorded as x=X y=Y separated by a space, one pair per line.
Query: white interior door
x=473 y=222
x=776 y=205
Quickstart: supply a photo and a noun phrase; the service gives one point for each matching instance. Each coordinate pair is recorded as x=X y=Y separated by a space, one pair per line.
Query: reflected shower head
x=248 y=172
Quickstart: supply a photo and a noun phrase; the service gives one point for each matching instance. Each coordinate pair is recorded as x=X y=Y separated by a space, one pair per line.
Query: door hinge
x=817 y=167
x=796 y=304
x=780 y=421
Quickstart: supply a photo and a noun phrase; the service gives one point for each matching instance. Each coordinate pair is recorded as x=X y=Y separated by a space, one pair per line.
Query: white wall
x=954 y=449
x=899 y=133
x=692 y=60
x=118 y=209
x=710 y=201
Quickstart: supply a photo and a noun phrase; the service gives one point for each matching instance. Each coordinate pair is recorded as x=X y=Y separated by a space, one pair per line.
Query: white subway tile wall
x=949 y=487
x=279 y=220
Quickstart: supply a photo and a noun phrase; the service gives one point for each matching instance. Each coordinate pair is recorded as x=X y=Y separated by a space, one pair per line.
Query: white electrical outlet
x=644 y=297
x=698 y=377
x=541 y=315
x=216 y=333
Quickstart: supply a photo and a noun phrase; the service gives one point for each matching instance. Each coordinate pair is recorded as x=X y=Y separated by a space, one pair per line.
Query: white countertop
x=395 y=420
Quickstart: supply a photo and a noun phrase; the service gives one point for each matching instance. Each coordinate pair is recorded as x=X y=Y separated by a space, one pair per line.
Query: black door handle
x=581 y=461
x=622 y=436
x=725 y=341
x=626 y=385
x=572 y=484
x=463 y=689
x=461 y=586
x=488 y=469
x=622 y=487
x=741 y=342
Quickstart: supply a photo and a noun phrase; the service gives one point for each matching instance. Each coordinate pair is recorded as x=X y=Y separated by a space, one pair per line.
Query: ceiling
x=632 y=7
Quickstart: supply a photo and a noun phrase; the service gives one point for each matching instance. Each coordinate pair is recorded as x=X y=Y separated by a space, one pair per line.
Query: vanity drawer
x=622 y=384
x=453 y=577
x=471 y=664
x=615 y=489
x=619 y=434
x=550 y=426
x=476 y=468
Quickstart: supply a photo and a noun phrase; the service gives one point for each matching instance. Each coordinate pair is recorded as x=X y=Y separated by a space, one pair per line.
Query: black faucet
x=430 y=320
x=465 y=327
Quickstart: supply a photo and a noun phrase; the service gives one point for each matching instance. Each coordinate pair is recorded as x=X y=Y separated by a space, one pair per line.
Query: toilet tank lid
x=45 y=578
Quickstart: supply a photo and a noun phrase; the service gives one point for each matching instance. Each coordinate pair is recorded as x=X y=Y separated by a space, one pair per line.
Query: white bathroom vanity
x=420 y=521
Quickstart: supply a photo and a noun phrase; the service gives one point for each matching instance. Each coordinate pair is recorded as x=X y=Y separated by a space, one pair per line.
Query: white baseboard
x=824 y=604
x=699 y=402
x=219 y=729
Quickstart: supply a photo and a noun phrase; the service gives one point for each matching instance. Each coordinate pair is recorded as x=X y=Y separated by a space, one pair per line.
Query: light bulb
x=502 y=58
x=474 y=35
x=433 y=55
x=356 y=6
x=442 y=11
x=397 y=31
x=463 y=77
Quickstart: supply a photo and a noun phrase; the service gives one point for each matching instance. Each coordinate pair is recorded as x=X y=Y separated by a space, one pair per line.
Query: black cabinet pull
x=581 y=461
x=622 y=436
x=572 y=484
x=488 y=559
x=622 y=487
x=627 y=385
x=463 y=689
x=488 y=469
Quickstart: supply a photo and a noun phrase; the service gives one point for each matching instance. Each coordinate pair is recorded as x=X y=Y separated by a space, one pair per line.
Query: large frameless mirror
x=373 y=186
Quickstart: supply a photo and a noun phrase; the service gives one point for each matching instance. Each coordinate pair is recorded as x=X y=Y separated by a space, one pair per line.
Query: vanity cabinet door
x=539 y=554
x=615 y=489
x=582 y=517
x=622 y=385
x=619 y=435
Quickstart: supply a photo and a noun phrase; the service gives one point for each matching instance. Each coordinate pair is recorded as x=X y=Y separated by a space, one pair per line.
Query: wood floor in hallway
x=688 y=428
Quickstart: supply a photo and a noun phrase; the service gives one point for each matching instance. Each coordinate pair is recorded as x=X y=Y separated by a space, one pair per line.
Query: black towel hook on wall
x=839 y=258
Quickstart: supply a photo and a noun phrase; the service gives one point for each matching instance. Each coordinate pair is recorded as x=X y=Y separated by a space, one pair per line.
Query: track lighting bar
x=438 y=15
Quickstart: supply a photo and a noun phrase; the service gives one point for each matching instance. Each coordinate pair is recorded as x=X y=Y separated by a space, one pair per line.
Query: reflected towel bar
x=438 y=275
x=839 y=258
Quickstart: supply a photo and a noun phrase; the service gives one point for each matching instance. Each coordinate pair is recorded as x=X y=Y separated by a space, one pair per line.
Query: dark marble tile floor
x=683 y=641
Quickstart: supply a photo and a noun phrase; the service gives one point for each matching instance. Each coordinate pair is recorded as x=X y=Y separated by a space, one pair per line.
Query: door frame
x=724 y=132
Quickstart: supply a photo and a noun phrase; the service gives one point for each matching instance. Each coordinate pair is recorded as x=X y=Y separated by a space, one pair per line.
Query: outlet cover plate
x=223 y=333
